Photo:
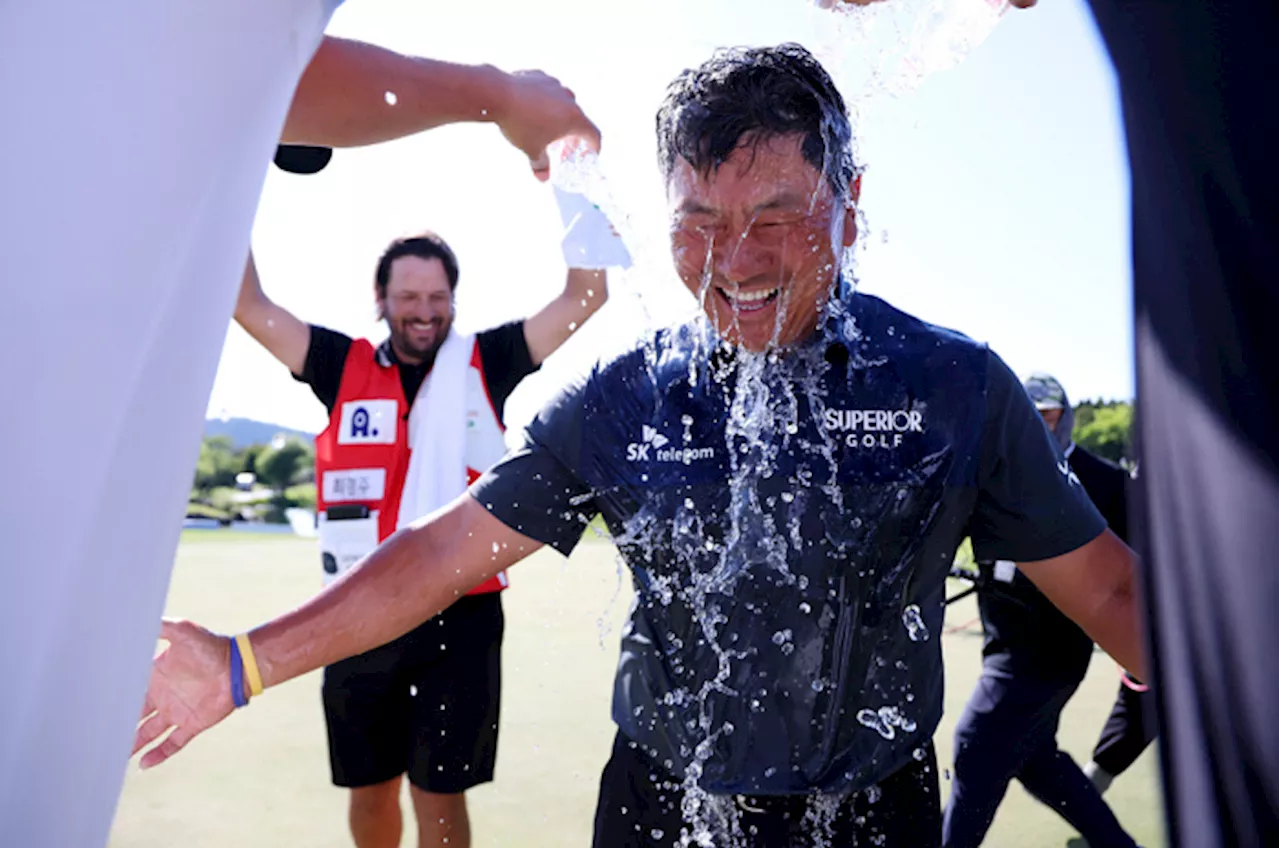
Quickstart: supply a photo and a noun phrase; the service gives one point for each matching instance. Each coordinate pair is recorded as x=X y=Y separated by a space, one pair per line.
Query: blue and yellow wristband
x=244 y=666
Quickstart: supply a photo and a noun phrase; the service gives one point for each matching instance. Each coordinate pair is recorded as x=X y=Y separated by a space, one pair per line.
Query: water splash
x=892 y=47
x=885 y=720
x=914 y=623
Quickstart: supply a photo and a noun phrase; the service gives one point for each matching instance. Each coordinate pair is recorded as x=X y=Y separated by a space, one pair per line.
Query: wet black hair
x=748 y=95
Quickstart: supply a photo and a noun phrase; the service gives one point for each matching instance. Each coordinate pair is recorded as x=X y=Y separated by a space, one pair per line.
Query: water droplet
x=688 y=503
x=873 y=794
x=770 y=771
x=781 y=636
x=805 y=608
x=787 y=497
x=914 y=623
x=919 y=754
x=817 y=686
x=686 y=420
x=391 y=98
x=413 y=691
x=496 y=547
x=872 y=719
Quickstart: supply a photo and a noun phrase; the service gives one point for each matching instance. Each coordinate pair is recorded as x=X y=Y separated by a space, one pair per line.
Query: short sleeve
x=505 y=358
x=537 y=489
x=326 y=358
x=1030 y=505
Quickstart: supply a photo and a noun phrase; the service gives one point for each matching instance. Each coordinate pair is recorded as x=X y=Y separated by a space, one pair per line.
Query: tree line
x=283 y=476
x=1105 y=427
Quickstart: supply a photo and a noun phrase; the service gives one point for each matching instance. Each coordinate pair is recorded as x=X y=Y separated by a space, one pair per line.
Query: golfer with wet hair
x=788 y=476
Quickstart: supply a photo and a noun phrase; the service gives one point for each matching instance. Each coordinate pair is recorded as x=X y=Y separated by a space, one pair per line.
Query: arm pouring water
x=353 y=94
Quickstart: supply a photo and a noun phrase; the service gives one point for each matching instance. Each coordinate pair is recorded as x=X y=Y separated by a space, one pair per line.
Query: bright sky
x=996 y=194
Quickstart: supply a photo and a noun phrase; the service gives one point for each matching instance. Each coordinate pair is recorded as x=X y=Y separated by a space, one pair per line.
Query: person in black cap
x=1034 y=658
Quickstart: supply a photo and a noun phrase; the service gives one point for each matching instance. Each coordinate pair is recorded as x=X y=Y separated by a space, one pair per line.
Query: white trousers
x=135 y=136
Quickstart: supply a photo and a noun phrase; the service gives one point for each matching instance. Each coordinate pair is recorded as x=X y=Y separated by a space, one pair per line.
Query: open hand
x=539 y=111
x=189 y=691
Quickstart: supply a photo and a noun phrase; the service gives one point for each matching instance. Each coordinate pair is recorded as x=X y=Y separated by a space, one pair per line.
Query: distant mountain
x=245 y=431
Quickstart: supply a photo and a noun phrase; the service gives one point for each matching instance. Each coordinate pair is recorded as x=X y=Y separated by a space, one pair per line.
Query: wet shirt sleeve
x=537 y=489
x=1030 y=505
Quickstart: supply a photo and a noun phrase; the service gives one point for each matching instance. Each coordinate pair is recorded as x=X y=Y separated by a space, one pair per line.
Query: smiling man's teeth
x=749 y=296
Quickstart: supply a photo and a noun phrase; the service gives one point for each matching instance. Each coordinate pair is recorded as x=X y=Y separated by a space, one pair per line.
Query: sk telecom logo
x=653 y=447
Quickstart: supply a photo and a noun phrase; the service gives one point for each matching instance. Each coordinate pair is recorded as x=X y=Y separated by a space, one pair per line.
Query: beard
x=410 y=344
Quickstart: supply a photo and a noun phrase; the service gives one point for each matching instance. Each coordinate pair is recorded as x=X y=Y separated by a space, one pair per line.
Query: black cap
x=301 y=159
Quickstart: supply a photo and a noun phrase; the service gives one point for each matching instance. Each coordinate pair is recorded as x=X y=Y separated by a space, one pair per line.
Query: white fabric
x=134 y=139
x=437 y=471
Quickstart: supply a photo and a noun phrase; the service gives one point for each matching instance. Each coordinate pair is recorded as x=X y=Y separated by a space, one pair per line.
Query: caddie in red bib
x=412 y=422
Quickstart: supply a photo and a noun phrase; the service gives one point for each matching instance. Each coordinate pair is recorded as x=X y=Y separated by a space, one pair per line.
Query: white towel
x=437 y=471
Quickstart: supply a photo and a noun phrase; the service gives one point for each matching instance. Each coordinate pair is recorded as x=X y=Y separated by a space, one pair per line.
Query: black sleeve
x=326 y=357
x=1107 y=484
x=537 y=489
x=1030 y=503
x=505 y=358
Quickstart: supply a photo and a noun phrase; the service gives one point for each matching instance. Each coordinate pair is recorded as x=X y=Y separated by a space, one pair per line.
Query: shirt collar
x=385 y=356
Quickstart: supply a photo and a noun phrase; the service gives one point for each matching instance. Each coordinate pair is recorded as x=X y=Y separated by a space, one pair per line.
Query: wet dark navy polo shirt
x=790 y=519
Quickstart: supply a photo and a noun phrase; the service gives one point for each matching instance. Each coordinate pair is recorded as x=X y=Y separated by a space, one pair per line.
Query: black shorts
x=425 y=704
x=640 y=802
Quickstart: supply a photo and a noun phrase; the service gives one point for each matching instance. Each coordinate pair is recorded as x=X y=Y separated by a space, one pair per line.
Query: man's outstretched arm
x=354 y=94
x=271 y=325
x=412 y=576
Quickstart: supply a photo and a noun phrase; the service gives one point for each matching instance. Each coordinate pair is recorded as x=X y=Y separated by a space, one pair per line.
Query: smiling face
x=418 y=306
x=758 y=240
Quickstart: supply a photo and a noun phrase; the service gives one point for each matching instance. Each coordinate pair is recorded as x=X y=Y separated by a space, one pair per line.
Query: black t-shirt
x=504 y=358
x=790 y=522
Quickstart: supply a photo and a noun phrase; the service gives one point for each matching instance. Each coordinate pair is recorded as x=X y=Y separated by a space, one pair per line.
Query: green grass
x=262 y=778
